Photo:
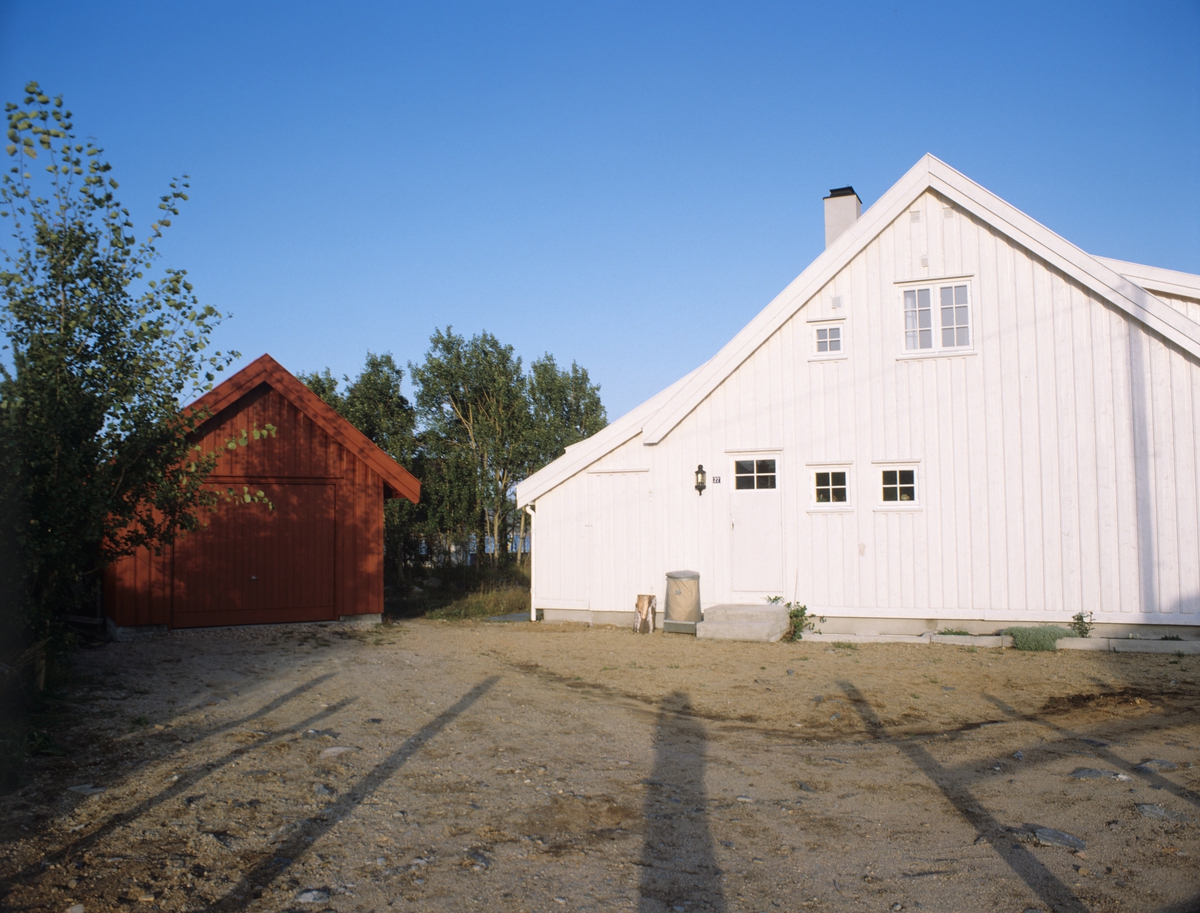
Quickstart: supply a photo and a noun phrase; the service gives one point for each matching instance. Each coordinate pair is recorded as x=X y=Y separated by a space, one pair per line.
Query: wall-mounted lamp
x=700 y=476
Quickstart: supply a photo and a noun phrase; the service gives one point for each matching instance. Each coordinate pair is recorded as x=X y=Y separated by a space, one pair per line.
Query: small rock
x=322 y=790
x=791 y=672
x=335 y=751
x=1158 y=813
x=744 y=799
x=312 y=896
x=1154 y=765
x=835 y=716
x=1082 y=870
x=146 y=898
x=560 y=900
x=72 y=883
x=818 y=698
x=1091 y=773
x=897 y=906
x=416 y=590
x=945 y=688
x=1049 y=837
x=804 y=787
x=1019 y=755
x=678 y=909
x=76 y=908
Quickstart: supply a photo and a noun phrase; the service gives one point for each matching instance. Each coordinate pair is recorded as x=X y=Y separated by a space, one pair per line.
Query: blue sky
x=623 y=185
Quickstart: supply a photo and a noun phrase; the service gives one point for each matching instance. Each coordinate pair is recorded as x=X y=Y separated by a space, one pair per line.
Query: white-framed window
x=750 y=474
x=829 y=340
x=899 y=484
x=830 y=486
x=937 y=317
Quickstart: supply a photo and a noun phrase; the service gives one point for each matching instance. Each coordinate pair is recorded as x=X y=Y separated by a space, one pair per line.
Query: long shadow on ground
x=678 y=864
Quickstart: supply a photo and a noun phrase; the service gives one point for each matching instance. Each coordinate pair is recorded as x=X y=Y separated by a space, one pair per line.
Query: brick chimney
x=842 y=209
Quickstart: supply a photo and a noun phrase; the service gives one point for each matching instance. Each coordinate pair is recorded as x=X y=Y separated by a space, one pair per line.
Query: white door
x=756 y=517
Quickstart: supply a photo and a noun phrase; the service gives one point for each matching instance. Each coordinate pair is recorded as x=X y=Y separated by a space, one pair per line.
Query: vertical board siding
x=318 y=555
x=1057 y=463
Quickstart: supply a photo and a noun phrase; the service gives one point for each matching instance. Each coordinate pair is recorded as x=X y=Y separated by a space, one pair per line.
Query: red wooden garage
x=318 y=556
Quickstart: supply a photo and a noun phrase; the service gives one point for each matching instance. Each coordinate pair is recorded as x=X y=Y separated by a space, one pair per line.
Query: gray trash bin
x=682 y=609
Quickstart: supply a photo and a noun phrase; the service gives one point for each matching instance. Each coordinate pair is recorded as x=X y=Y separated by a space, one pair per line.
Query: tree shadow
x=189 y=778
x=678 y=864
x=1056 y=895
x=309 y=831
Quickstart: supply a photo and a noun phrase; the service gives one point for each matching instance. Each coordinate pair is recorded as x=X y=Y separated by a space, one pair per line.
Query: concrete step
x=741 y=622
x=733 y=612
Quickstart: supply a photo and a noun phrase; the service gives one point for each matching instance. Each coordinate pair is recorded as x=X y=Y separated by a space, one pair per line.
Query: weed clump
x=1043 y=637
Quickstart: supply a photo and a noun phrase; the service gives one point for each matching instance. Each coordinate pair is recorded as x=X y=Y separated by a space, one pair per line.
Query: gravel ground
x=521 y=767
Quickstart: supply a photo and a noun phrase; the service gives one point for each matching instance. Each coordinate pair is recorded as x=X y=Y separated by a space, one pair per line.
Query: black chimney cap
x=842 y=192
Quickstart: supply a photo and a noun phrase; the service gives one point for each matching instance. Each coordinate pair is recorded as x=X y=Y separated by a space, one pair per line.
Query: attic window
x=829 y=340
x=938 y=328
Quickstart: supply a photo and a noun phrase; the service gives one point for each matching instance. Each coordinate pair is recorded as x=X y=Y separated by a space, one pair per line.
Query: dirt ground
x=521 y=767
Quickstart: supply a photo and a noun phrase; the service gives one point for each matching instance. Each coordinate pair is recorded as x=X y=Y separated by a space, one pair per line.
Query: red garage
x=318 y=556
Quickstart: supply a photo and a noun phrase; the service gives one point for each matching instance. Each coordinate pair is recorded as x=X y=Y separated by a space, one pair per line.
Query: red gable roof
x=266 y=370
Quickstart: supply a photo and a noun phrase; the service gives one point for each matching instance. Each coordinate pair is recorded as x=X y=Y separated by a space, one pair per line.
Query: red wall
x=317 y=556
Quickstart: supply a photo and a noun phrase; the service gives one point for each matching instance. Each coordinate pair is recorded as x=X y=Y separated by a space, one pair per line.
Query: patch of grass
x=141 y=720
x=954 y=632
x=844 y=645
x=500 y=600
x=1043 y=637
x=1170 y=637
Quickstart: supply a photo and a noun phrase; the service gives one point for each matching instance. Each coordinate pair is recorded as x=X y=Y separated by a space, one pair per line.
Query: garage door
x=258 y=566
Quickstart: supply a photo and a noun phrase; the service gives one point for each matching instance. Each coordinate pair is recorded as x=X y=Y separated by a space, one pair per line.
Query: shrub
x=503 y=600
x=1081 y=624
x=798 y=620
x=1043 y=637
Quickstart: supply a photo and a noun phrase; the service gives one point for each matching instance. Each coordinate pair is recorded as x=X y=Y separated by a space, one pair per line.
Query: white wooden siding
x=1056 y=463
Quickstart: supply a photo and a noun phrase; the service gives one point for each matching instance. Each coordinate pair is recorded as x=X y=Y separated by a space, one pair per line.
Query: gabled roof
x=266 y=370
x=928 y=174
x=582 y=454
x=1126 y=285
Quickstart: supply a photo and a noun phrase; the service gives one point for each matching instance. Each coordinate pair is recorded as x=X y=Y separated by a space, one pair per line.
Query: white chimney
x=842 y=209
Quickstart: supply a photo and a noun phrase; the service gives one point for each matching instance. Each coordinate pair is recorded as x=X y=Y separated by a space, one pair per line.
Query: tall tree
x=103 y=346
x=375 y=404
x=472 y=399
x=565 y=408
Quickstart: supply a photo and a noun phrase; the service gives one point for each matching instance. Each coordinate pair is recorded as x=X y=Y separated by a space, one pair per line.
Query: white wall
x=1057 y=465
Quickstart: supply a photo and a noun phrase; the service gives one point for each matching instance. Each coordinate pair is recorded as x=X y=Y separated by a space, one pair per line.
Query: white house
x=953 y=417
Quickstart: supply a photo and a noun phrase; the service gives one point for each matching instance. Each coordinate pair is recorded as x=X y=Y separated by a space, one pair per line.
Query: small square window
x=750 y=474
x=831 y=487
x=829 y=340
x=899 y=485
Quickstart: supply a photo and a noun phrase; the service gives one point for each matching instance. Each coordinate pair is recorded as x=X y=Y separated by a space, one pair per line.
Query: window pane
x=907 y=493
x=766 y=466
x=948 y=337
x=835 y=333
x=910 y=300
x=926 y=319
x=964 y=336
x=838 y=478
x=835 y=345
x=766 y=481
x=947 y=317
x=926 y=338
x=947 y=296
x=822 y=345
x=889 y=477
x=960 y=316
x=910 y=320
x=744 y=467
x=889 y=494
x=822 y=334
x=960 y=294
x=839 y=494
x=823 y=479
x=906 y=477
x=923 y=298
x=745 y=481
x=822 y=495
x=910 y=339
